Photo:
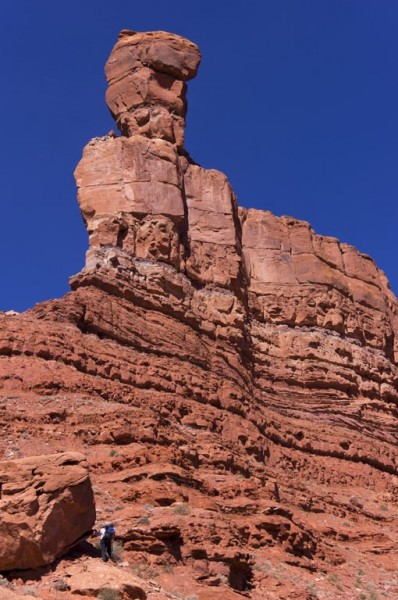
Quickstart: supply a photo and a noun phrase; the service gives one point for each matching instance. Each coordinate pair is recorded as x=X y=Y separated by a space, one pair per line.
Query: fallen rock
x=47 y=506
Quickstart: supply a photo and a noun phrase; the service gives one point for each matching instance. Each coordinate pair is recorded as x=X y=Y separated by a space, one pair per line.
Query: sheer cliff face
x=235 y=343
x=299 y=312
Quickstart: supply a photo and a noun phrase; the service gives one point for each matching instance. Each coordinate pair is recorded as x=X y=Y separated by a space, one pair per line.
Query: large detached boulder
x=47 y=506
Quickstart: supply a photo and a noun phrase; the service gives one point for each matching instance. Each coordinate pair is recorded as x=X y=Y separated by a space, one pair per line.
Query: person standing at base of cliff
x=107 y=534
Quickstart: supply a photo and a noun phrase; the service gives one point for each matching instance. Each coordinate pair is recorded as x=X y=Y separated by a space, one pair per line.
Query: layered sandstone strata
x=247 y=365
x=304 y=310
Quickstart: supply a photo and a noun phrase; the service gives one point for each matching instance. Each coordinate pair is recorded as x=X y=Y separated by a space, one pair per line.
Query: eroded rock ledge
x=231 y=350
x=169 y=234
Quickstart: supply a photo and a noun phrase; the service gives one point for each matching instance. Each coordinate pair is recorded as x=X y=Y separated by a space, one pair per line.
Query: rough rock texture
x=8 y=594
x=47 y=506
x=90 y=577
x=146 y=73
x=231 y=375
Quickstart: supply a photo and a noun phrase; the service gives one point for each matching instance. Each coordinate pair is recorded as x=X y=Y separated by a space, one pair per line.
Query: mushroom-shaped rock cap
x=161 y=51
x=147 y=75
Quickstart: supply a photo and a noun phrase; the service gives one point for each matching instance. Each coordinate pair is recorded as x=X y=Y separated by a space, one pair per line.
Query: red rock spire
x=146 y=73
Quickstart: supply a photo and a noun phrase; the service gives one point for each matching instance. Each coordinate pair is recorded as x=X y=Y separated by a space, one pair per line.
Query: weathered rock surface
x=47 y=506
x=90 y=577
x=231 y=375
x=9 y=594
x=146 y=73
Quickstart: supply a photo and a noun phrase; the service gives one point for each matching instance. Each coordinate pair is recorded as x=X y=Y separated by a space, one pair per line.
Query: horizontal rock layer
x=244 y=367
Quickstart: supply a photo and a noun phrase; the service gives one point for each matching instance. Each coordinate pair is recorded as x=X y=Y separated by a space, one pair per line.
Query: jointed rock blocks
x=246 y=366
x=268 y=289
x=146 y=73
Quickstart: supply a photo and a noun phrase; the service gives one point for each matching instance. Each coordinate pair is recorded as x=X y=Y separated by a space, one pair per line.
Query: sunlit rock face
x=245 y=365
x=147 y=74
x=47 y=507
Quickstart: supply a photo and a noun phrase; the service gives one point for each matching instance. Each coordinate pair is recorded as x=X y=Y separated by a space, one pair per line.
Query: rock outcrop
x=88 y=579
x=244 y=367
x=146 y=73
x=47 y=507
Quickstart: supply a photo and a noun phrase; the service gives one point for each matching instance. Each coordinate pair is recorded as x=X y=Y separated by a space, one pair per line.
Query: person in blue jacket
x=107 y=534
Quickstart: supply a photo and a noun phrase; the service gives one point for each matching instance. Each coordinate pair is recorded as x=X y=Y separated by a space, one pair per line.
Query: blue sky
x=295 y=100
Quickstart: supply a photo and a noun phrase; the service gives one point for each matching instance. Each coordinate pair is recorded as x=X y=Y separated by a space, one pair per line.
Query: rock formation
x=244 y=367
x=89 y=578
x=146 y=73
x=47 y=507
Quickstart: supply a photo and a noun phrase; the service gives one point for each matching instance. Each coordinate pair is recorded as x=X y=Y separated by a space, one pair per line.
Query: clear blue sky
x=295 y=100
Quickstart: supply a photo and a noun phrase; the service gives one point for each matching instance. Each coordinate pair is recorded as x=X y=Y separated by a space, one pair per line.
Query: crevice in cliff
x=184 y=234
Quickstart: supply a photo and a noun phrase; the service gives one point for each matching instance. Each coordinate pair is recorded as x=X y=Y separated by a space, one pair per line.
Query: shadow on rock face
x=81 y=550
x=85 y=548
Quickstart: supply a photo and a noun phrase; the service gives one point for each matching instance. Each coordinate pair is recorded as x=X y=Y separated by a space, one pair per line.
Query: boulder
x=47 y=506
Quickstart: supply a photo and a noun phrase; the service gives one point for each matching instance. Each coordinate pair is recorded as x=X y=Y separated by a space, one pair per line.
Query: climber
x=276 y=492
x=107 y=534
